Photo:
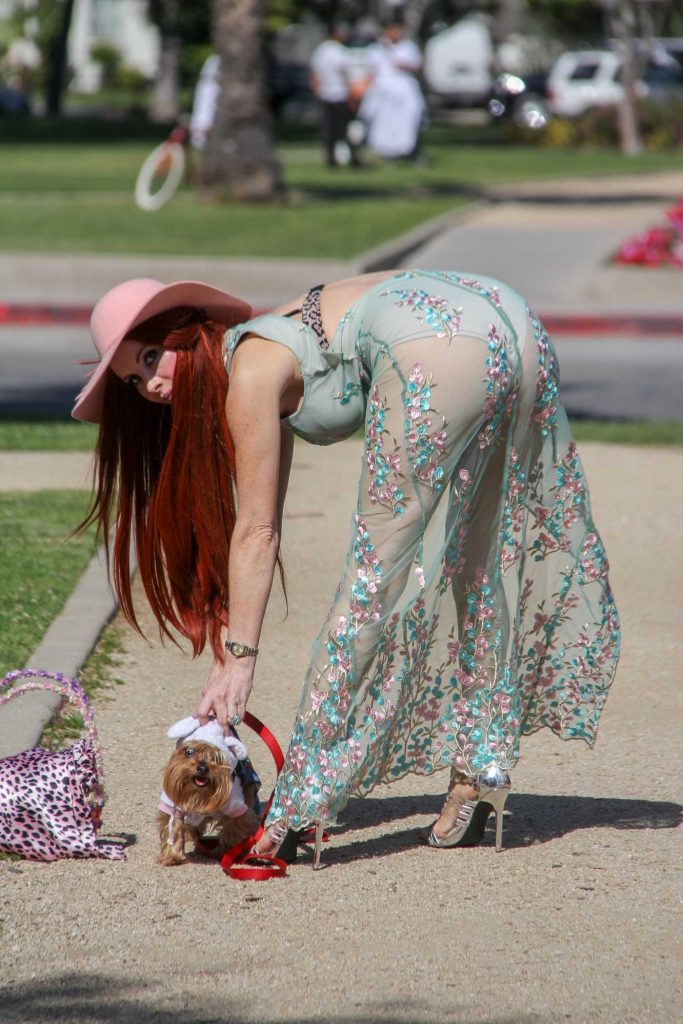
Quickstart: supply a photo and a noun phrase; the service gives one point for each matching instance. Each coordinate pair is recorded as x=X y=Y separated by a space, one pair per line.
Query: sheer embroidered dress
x=474 y=605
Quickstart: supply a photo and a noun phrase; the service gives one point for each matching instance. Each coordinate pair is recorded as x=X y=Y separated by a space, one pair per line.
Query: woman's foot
x=278 y=840
x=270 y=842
x=461 y=790
x=467 y=807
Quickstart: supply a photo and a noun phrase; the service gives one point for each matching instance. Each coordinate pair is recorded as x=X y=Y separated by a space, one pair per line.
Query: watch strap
x=239 y=650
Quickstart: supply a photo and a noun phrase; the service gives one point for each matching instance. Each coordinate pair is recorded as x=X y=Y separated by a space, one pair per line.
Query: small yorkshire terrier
x=202 y=791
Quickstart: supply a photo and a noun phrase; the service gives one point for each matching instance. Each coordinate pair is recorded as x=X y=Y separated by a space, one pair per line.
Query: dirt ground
x=578 y=919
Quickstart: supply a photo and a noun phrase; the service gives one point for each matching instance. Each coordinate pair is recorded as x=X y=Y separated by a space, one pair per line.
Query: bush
x=661 y=126
x=192 y=59
x=133 y=81
x=109 y=59
x=597 y=127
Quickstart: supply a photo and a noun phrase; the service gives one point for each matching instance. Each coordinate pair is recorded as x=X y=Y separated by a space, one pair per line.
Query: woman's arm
x=259 y=381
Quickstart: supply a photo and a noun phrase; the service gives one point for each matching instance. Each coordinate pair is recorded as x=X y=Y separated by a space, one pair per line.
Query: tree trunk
x=165 y=106
x=413 y=18
x=56 y=72
x=621 y=20
x=239 y=160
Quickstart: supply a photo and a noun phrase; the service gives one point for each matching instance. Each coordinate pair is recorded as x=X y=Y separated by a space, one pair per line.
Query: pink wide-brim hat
x=131 y=303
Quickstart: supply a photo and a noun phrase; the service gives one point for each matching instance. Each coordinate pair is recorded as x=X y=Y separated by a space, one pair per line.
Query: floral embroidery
x=424 y=446
x=500 y=391
x=488 y=292
x=349 y=390
x=554 y=522
x=462 y=494
x=382 y=465
x=435 y=312
x=513 y=516
x=547 y=381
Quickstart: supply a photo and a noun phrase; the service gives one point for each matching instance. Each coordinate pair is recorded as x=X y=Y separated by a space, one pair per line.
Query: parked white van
x=458 y=64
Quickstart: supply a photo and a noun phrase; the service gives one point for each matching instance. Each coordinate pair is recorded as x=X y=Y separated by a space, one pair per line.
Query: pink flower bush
x=659 y=246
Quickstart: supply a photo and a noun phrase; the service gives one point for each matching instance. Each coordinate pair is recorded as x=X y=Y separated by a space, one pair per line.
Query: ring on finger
x=235 y=720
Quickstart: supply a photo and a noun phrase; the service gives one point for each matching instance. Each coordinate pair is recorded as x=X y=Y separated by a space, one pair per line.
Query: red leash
x=238 y=862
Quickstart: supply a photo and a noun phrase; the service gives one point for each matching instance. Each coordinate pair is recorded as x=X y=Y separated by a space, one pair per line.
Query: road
x=602 y=376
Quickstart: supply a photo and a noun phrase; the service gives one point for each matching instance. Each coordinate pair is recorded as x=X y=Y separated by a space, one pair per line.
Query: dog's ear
x=185 y=727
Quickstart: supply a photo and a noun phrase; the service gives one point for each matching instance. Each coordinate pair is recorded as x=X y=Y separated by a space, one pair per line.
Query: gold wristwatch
x=240 y=650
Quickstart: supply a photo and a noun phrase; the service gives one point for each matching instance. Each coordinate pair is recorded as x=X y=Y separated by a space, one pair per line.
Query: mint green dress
x=474 y=605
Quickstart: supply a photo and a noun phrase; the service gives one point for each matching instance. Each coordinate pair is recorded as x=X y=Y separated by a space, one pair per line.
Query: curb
x=64 y=648
x=388 y=255
x=576 y=324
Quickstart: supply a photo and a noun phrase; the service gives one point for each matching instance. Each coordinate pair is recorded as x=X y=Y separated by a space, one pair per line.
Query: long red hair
x=164 y=479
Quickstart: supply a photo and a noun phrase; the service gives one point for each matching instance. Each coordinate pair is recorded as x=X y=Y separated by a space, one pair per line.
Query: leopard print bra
x=311 y=316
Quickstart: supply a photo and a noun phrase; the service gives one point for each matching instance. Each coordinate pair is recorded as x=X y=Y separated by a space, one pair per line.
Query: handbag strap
x=71 y=691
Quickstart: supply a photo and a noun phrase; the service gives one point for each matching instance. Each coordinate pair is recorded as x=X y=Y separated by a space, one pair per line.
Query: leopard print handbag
x=51 y=801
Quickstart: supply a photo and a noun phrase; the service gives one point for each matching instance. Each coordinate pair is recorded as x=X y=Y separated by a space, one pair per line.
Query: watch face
x=239 y=650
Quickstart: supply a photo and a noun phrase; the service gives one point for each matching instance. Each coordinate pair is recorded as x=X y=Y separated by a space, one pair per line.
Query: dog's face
x=197 y=778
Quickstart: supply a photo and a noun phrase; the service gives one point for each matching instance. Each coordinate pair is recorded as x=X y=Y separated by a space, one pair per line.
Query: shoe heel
x=496 y=798
x=289 y=847
x=318 y=846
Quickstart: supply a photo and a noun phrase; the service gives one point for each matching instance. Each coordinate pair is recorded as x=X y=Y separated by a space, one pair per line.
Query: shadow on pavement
x=125 y=839
x=101 y=999
x=529 y=820
x=40 y=401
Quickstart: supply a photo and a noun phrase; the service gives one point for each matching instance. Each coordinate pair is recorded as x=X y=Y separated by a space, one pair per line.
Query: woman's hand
x=226 y=690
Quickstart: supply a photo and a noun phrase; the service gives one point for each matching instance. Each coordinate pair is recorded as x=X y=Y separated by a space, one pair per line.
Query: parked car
x=582 y=79
x=12 y=101
x=522 y=100
x=674 y=47
x=457 y=64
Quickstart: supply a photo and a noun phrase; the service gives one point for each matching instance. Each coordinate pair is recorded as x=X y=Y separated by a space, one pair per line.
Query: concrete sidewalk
x=575 y=920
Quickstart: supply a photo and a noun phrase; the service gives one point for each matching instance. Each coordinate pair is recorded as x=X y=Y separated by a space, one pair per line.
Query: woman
x=474 y=605
x=393 y=106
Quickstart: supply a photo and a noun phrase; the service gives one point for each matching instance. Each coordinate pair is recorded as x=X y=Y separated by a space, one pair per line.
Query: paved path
x=575 y=920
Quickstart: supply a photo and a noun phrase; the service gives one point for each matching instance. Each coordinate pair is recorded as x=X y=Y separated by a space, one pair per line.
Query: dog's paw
x=168 y=858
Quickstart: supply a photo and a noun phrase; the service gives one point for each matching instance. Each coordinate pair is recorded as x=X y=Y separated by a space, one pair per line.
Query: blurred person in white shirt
x=330 y=77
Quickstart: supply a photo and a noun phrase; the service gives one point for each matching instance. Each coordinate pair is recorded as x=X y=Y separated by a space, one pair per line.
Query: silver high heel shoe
x=286 y=842
x=493 y=786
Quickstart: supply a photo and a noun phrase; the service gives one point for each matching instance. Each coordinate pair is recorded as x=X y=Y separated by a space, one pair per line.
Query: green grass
x=460 y=166
x=96 y=677
x=76 y=194
x=636 y=432
x=314 y=230
x=453 y=161
x=38 y=569
x=47 y=435
x=60 y=435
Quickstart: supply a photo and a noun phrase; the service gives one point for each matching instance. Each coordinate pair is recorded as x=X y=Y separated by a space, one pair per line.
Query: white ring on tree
x=144 y=197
